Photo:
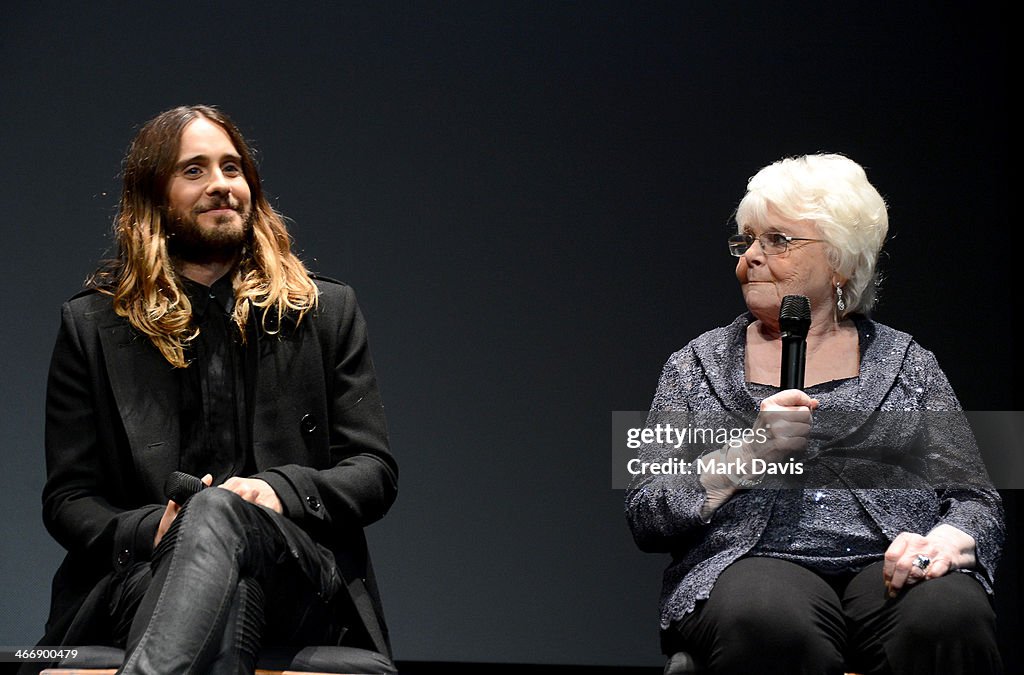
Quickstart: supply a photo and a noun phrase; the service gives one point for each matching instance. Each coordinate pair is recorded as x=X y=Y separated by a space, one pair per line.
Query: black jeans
x=772 y=616
x=198 y=605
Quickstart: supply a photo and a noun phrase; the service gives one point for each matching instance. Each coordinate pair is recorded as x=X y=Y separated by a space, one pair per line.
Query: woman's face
x=802 y=270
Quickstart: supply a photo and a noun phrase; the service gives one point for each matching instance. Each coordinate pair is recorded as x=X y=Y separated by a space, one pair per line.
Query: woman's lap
x=782 y=617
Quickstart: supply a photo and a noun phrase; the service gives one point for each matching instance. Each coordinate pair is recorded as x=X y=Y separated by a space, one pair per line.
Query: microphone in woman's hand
x=794 y=321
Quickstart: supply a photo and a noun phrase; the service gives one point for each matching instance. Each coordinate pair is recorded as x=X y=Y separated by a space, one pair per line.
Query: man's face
x=208 y=197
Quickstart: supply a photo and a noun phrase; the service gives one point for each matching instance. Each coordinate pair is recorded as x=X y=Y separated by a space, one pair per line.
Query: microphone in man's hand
x=180 y=486
x=794 y=321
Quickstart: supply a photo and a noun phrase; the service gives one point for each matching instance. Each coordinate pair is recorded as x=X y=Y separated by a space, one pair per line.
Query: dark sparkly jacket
x=705 y=380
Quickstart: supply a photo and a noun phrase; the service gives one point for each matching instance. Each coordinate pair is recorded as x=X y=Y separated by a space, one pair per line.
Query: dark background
x=531 y=200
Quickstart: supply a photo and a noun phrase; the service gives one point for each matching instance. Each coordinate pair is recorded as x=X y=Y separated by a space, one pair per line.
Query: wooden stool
x=100 y=660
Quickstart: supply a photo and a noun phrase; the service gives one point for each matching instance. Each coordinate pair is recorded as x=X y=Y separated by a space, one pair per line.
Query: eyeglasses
x=772 y=243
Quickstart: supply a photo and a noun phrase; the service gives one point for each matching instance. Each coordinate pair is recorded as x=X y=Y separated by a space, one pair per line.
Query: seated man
x=206 y=347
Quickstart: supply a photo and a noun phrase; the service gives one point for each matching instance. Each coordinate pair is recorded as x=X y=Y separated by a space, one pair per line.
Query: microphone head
x=180 y=486
x=795 y=315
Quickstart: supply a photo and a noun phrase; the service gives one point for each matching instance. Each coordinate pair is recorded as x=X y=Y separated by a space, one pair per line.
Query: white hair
x=832 y=191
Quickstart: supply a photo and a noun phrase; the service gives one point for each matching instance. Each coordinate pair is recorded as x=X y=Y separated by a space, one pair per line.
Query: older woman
x=805 y=581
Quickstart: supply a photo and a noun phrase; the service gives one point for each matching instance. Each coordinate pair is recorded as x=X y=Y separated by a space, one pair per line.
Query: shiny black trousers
x=227 y=578
x=768 y=615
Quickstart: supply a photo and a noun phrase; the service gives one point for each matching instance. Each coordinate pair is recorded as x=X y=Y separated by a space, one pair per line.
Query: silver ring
x=921 y=562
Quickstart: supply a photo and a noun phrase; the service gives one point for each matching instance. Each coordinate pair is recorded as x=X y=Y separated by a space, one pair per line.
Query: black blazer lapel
x=145 y=389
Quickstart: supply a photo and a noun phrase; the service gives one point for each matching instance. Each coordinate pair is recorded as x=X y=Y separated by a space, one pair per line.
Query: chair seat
x=100 y=660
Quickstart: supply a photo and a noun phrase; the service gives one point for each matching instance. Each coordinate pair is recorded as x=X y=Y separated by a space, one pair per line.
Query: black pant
x=197 y=607
x=768 y=615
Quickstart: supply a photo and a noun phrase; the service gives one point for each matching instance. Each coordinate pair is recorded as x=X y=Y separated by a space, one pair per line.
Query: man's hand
x=255 y=491
x=171 y=512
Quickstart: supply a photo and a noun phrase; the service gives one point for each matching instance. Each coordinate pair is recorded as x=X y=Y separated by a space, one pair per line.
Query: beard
x=196 y=242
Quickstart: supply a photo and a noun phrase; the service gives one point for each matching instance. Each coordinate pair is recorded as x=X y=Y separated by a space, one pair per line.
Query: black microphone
x=180 y=486
x=794 y=320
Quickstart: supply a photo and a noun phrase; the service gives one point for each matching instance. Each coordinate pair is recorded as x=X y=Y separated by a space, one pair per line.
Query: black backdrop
x=531 y=199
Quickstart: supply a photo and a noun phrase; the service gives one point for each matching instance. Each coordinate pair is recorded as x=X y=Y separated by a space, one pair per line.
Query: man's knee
x=218 y=509
x=208 y=512
x=219 y=520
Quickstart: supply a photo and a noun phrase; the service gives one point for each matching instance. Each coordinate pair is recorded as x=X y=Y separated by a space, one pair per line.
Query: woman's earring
x=840 y=303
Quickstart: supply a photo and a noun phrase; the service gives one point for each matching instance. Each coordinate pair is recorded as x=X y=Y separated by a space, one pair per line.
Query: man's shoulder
x=334 y=295
x=91 y=303
x=330 y=284
x=89 y=292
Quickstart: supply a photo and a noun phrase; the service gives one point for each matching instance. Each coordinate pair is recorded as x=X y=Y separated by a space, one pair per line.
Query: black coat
x=112 y=437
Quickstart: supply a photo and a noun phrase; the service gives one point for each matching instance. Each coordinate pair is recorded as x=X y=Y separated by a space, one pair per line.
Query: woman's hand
x=785 y=420
x=911 y=558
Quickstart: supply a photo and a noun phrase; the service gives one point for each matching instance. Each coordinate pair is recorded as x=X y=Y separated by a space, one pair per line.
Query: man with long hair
x=206 y=347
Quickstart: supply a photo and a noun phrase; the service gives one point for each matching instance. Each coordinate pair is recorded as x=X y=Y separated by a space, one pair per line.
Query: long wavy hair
x=142 y=280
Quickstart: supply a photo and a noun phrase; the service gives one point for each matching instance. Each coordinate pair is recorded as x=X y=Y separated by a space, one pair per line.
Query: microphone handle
x=794 y=358
x=180 y=486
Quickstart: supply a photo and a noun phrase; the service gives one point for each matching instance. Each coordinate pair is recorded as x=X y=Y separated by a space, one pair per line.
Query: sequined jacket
x=705 y=380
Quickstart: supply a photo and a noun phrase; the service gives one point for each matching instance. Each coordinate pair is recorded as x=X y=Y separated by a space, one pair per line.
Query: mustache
x=229 y=203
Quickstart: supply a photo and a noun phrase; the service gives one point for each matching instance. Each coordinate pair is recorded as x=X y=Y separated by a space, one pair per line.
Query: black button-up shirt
x=214 y=436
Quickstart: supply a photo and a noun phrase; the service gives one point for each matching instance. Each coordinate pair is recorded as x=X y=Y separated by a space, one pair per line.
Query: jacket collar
x=882 y=352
